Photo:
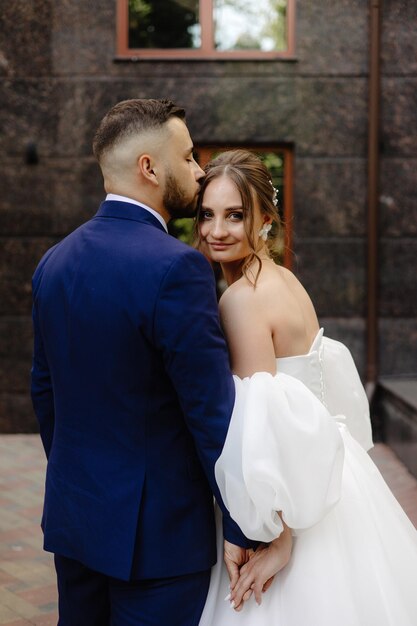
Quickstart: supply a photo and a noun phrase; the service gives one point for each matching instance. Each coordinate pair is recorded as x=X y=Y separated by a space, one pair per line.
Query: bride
x=334 y=549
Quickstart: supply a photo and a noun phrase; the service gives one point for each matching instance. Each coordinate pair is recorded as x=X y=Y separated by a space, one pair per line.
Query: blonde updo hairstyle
x=252 y=180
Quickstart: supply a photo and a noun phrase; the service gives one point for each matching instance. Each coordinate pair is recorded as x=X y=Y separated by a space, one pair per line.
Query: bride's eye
x=206 y=215
x=236 y=216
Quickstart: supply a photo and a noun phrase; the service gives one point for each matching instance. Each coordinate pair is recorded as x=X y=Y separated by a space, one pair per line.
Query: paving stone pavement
x=27 y=580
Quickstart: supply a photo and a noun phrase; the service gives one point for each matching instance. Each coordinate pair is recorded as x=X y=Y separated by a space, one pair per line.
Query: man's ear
x=147 y=168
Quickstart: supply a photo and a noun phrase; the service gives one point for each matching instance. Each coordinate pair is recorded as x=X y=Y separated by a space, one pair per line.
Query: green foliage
x=141 y=7
x=175 y=23
x=271 y=14
x=182 y=229
x=275 y=25
x=162 y=23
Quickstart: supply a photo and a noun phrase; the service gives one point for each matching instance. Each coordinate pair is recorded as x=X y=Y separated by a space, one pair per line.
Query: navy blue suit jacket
x=132 y=389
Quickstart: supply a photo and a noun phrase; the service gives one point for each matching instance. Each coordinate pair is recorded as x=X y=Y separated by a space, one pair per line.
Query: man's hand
x=234 y=558
x=257 y=574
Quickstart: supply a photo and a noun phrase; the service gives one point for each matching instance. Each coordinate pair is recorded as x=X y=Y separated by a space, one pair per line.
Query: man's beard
x=175 y=201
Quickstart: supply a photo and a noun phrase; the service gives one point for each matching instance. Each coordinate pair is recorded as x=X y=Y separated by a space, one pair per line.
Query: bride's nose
x=218 y=229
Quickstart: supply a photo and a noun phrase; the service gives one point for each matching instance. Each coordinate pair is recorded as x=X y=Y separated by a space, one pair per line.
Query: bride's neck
x=233 y=271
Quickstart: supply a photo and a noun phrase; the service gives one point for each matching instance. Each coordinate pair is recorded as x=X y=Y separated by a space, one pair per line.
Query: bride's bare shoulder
x=245 y=292
x=239 y=296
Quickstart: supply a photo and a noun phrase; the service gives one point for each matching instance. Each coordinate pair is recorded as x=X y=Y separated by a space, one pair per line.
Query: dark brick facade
x=58 y=76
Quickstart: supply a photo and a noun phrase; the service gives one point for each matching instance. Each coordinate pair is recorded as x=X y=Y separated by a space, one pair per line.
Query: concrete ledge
x=396 y=409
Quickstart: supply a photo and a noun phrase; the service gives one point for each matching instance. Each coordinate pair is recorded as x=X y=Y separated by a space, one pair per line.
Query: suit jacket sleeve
x=187 y=330
x=41 y=384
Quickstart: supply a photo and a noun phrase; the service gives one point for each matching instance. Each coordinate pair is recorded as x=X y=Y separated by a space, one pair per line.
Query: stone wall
x=398 y=205
x=58 y=76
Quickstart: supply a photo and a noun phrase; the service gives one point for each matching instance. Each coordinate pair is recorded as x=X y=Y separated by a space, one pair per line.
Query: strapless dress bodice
x=307 y=367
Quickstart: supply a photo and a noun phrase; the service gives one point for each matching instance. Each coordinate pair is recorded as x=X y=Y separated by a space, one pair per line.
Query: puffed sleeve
x=283 y=453
x=345 y=393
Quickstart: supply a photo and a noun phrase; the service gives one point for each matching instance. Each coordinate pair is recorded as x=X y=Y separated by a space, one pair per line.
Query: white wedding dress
x=354 y=558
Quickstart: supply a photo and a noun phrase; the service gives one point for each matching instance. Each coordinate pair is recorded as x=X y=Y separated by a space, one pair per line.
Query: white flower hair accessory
x=263 y=233
x=274 y=194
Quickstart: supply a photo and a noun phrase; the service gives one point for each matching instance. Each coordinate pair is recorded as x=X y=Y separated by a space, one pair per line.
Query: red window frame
x=204 y=155
x=207 y=50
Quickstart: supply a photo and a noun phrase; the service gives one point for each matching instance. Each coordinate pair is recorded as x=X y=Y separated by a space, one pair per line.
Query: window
x=205 y=29
x=279 y=161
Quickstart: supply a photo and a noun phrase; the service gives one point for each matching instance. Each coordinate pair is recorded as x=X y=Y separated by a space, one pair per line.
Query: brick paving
x=27 y=580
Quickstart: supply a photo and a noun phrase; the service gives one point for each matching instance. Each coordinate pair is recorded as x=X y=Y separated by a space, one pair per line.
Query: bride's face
x=221 y=222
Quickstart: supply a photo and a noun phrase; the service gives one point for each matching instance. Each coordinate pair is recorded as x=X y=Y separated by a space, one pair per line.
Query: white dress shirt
x=117 y=198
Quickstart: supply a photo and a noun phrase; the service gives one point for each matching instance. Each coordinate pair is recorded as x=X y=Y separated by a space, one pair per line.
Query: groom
x=132 y=388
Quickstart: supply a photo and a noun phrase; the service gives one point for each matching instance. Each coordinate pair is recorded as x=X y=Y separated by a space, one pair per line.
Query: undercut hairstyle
x=253 y=180
x=132 y=117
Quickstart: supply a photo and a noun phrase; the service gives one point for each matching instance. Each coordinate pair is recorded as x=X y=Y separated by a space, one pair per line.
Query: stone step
x=395 y=410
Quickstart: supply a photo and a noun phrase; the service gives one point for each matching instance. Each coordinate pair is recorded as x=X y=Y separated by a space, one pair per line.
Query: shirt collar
x=115 y=197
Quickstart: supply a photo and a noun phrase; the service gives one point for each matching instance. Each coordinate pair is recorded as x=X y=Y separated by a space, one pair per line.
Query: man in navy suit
x=132 y=388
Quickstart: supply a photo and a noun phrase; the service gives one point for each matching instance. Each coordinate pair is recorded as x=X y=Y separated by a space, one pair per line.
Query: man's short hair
x=131 y=117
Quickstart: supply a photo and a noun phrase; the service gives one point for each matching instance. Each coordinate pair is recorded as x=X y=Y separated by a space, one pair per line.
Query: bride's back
x=293 y=317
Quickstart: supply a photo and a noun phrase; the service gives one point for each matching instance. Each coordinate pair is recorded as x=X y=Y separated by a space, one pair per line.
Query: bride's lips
x=219 y=246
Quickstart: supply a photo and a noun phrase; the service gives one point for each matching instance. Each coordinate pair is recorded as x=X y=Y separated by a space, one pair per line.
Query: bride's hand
x=257 y=574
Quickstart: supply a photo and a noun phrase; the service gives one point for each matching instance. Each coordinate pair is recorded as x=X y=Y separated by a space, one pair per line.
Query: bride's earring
x=263 y=233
